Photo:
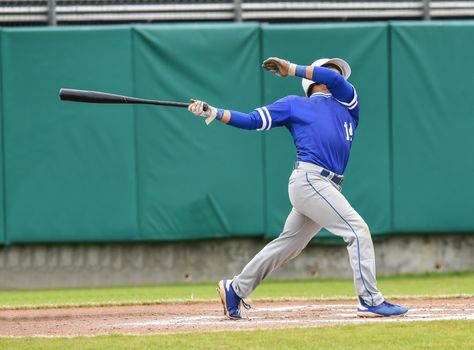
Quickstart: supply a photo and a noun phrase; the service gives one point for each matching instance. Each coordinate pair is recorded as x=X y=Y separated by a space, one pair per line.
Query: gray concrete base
x=92 y=265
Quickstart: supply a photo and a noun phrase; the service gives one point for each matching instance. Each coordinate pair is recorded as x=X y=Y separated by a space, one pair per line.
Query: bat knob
x=205 y=107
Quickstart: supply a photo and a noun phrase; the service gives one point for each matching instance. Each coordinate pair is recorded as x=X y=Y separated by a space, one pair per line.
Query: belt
x=337 y=179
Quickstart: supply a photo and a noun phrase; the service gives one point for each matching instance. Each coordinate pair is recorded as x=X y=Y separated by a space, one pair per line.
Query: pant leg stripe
x=355 y=234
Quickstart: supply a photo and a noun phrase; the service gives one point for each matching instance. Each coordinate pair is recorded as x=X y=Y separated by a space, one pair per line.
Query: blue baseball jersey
x=322 y=125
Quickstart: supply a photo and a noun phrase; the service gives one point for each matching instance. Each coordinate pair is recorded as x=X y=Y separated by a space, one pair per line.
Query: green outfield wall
x=69 y=168
x=433 y=124
x=196 y=181
x=2 y=168
x=81 y=172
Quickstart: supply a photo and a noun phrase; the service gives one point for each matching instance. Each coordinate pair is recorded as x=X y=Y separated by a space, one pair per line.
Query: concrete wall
x=84 y=265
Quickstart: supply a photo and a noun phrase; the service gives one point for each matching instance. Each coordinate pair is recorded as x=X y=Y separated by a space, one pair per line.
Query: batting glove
x=280 y=67
x=202 y=109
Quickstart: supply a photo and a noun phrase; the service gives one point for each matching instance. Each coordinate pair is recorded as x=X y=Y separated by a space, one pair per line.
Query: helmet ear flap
x=305 y=84
x=309 y=89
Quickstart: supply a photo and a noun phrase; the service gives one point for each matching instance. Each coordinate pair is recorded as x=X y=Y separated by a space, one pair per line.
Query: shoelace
x=245 y=305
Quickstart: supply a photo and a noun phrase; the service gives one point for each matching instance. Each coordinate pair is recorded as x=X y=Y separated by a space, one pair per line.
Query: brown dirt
x=208 y=316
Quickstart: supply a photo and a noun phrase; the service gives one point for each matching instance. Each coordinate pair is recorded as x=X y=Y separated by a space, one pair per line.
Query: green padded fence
x=70 y=168
x=197 y=181
x=2 y=168
x=74 y=172
x=433 y=125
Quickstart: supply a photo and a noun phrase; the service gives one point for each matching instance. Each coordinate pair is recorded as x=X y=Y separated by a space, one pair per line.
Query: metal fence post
x=426 y=9
x=238 y=10
x=52 y=13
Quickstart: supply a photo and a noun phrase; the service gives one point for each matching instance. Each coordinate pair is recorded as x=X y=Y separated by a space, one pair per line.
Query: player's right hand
x=202 y=109
x=277 y=66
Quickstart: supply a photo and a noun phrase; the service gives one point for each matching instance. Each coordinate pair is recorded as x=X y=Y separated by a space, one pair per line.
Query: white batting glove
x=202 y=109
x=280 y=67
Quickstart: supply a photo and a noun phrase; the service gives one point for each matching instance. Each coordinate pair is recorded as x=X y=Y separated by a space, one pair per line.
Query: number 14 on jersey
x=348 y=127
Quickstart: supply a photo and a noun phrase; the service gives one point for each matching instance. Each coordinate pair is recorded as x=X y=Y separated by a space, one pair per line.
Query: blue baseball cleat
x=383 y=310
x=230 y=300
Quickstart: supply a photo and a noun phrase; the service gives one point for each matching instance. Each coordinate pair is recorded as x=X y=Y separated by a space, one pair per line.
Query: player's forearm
x=320 y=75
x=238 y=119
x=336 y=83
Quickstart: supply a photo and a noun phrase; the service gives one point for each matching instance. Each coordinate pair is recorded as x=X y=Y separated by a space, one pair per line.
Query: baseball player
x=322 y=125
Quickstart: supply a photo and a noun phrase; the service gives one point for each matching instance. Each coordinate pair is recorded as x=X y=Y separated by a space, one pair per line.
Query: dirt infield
x=208 y=316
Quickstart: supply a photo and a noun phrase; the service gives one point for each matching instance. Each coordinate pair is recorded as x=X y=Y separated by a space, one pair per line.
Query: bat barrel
x=103 y=97
x=91 y=96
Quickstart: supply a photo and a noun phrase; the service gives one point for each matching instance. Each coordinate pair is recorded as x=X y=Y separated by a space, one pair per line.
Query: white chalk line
x=418 y=314
x=257 y=321
x=174 y=321
x=277 y=309
x=202 y=319
x=334 y=307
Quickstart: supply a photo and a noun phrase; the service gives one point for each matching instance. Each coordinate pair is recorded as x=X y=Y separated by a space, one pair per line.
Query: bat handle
x=205 y=106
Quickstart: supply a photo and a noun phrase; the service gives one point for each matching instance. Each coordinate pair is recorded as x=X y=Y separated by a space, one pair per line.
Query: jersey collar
x=320 y=94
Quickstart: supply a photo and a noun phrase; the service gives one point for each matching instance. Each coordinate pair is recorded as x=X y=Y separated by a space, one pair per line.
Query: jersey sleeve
x=262 y=118
x=350 y=101
x=353 y=107
x=275 y=115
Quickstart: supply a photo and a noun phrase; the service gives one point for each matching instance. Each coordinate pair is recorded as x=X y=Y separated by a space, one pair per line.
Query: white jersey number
x=349 y=133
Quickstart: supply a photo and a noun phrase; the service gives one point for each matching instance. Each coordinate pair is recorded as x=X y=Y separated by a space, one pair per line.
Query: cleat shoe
x=230 y=300
x=383 y=310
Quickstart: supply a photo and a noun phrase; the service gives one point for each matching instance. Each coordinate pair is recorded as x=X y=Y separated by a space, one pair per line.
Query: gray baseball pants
x=317 y=202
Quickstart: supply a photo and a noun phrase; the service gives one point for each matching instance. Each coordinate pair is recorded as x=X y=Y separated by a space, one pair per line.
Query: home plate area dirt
x=208 y=316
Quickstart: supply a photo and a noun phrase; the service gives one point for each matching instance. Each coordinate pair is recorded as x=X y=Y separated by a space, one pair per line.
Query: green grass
x=426 y=285
x=412 y=335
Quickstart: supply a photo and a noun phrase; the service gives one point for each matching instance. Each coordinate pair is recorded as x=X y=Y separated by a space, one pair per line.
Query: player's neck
x=319 y=88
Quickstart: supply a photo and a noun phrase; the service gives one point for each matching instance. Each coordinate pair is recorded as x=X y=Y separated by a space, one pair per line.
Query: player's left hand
x=277 y=66
x=202 y=109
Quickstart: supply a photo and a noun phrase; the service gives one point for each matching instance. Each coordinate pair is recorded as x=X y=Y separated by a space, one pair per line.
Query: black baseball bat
x=103 y=97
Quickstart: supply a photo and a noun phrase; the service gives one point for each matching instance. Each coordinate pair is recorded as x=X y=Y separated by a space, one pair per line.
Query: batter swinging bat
x=103 y=97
